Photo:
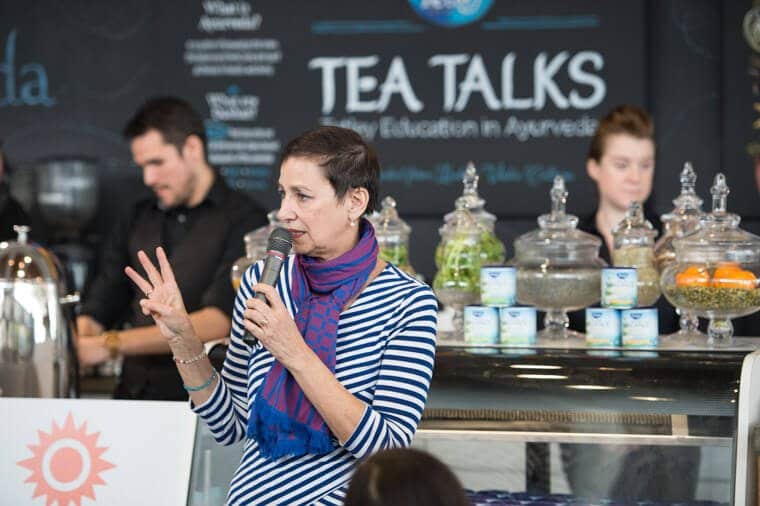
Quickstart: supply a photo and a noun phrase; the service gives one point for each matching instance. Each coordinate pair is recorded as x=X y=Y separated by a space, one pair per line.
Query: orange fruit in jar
x=731 y=276
x=693 y=276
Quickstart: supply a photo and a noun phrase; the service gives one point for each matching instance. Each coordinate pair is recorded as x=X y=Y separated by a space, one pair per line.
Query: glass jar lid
x=462 y=221
x=387 y=222
x=634 y=229
x=557 y=237
x=22 y=261
x=719 y=238
x=687 y=206
x=474 y=203
x=257 y=240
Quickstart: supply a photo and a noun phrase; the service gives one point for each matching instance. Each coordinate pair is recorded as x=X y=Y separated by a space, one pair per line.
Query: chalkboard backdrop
x=516 y=87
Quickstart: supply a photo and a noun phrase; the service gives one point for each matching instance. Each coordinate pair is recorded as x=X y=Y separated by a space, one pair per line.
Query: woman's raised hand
x=163 y=300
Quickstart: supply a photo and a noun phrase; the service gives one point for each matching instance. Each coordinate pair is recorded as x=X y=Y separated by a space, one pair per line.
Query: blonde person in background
x=621 y=161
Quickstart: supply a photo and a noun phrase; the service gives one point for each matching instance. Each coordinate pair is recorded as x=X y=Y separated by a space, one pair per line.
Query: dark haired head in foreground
x=403 y=477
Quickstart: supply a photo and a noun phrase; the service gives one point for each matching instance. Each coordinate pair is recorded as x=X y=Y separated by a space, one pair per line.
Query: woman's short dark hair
x=623 y=119
x=402 y=477
x=172 y=117
x=347 y=160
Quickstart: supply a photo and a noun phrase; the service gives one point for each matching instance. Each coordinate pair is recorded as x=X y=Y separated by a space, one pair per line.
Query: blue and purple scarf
x=283 y=421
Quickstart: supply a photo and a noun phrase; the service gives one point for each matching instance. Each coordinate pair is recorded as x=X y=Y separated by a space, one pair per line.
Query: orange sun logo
x=66 y=464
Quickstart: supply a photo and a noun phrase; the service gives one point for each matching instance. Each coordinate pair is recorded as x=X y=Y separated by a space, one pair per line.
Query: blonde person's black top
x=668 y=320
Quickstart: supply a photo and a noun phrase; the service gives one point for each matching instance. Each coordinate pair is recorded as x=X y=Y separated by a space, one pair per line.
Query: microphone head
x=280 y=240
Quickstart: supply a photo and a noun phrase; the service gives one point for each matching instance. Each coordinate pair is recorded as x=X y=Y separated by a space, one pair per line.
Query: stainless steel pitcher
x=37 y=357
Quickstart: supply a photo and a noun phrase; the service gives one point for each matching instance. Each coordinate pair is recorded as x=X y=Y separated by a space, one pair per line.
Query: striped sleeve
x=404 y=379
x=226 y=411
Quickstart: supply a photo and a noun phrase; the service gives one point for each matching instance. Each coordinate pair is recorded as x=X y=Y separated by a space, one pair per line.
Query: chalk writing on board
x=445 y=127
x=491 y=172
x=26 y=84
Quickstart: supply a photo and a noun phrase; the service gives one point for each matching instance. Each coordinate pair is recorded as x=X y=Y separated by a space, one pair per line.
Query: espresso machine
x=37 y=355
x=67 y=199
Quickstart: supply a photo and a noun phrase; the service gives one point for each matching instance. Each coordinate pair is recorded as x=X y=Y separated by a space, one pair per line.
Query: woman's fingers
x=138 y=280
x=251 y=327
x=270 y=293
x=157 y=309
x=256 y=316
x=166 y=270
x=166 y=275
x=259 y=312
x=150 y=269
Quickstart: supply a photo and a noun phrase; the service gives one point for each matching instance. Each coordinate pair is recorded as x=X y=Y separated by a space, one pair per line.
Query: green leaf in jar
x=492 y=250
x=397 y=254
x=460 y=265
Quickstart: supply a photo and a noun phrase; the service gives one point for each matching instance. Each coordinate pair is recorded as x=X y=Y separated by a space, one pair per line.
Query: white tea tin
x=619 y=287
x=517 y=326
x=498 y=285
x=602 y=327
x=640 y=328
x=481 y=325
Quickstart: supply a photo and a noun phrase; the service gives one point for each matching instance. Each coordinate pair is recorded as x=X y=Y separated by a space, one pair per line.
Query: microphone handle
x=269 y=275
x=271 y=271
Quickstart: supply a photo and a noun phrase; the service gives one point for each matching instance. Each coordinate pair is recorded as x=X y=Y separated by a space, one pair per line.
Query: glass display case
x=579 y=426
x=213 y=466
x=575 y=426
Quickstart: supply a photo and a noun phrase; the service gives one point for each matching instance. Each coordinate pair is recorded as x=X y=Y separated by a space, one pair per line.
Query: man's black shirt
x=11 y=213
x=202 y=243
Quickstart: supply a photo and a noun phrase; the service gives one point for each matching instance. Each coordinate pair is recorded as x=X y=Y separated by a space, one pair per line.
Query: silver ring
x=264 y=322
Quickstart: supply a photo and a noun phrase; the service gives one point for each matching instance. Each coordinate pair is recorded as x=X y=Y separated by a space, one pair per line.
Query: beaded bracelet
x=206 y=384
x=190 y=360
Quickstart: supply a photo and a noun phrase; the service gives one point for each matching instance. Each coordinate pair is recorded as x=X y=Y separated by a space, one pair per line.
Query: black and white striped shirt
x=384 y=356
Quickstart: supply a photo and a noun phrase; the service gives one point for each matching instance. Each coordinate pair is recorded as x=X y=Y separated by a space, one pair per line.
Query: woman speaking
x=346 y=341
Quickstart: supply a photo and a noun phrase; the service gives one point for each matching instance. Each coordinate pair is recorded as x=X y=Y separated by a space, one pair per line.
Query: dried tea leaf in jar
x=558 y=267
x=633 y=243
x=716 y=269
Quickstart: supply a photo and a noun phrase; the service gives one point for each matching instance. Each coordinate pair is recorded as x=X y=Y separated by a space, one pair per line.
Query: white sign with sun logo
x=73 y=452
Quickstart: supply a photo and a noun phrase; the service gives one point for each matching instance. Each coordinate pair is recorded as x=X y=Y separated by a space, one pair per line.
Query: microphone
x=278 y=247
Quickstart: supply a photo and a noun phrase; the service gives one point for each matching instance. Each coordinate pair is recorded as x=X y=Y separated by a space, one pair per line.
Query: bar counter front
x=572 y=426
x=596 y=426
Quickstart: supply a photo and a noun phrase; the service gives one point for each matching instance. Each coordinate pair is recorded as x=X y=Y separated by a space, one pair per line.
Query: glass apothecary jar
x=633 y=246
x=392 y=235
x=683 y=220
x=255 y=249
x=558 y=267
x=457 y=282
x=492 y=249
x=716 y=269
